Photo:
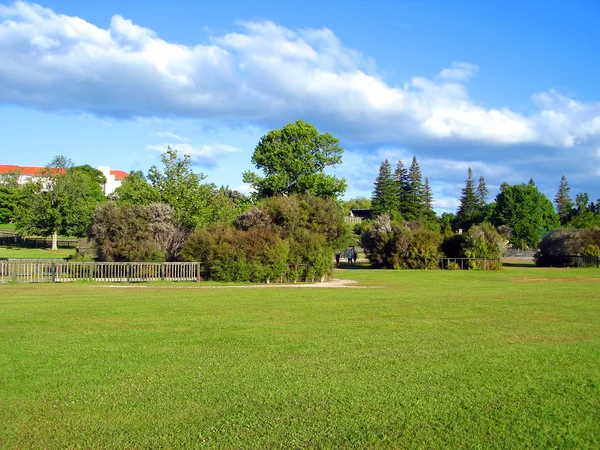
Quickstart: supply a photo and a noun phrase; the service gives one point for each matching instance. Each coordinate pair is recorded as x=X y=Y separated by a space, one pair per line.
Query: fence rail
x=61 y=272
x=456 y=263
x=568 y=261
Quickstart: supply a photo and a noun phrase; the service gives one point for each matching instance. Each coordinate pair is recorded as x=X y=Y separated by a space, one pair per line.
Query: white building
x=114 y=178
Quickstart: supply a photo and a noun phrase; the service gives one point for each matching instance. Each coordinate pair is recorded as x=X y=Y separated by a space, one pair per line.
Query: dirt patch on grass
x=556 y=280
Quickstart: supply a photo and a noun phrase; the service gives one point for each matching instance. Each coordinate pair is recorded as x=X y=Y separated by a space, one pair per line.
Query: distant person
x=337 y=258
x=350 y=255
x=354 y=255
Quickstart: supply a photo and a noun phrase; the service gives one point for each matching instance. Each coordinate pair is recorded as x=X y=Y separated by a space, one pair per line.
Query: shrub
x=567 y=242
x=483 y=241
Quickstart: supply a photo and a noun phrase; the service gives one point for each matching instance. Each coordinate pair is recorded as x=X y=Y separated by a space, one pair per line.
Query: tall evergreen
x=428 y=197
x=563 y=201
x=385 y=194
x=402 y=186
x=469 y=210
x=415 y=198
x=482 y=192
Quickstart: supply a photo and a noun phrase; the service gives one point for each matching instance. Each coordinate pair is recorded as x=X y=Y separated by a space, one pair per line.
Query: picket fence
x=60 y=272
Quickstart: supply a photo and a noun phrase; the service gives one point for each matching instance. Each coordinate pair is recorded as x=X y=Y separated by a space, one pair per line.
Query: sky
x=509 y=88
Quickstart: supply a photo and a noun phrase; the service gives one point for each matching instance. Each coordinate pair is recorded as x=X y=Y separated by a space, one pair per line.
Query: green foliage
x=358 y=203
x=567 y=242
x=293 y=160
x=527 y=212
x=135 y=190
x=414 y=200
x=400 y=245
x=61 y=202
x=135 y=233
x=279 y=231
x=469 y=211
x=585 y=220
x=563 y=201
x=385 y=192
x=482 y=192
x=483 y=241
x=195 y=204
x=9 y=195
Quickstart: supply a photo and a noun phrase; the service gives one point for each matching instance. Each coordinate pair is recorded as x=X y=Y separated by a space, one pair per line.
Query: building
x=114 y=178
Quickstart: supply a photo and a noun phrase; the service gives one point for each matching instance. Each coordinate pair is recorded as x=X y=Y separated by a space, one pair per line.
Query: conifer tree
x=385 y=195
x=482 y=192
x=428 y=198
x=415 y=198
x=469 y=209
x=402 y=186
x=563 y=201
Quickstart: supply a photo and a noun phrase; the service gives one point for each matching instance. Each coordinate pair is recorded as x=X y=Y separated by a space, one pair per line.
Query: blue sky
x=508 y=88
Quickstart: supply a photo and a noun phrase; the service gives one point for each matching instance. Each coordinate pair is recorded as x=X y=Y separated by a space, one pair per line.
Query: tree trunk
x=54 y=241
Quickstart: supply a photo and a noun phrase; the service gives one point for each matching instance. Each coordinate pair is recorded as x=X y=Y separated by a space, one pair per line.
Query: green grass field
x=24 y=252
x=411 y=359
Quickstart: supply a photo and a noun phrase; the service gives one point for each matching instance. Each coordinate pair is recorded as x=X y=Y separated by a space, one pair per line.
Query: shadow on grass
x=358 y=265
x=519 y=264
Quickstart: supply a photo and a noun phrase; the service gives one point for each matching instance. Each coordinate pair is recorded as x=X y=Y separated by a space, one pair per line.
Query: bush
x=483 y=241
x=567 y=242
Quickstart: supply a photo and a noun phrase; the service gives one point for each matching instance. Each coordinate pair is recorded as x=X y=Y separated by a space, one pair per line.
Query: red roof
x=25 y=170
x=37 y=171
x=119 y=174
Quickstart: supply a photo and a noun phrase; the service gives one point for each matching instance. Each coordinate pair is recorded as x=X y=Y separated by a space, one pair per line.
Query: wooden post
x=53 y=272
x=198 y=276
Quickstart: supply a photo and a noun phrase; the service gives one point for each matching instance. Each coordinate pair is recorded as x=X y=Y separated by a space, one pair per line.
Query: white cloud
x=460 y=71
x=168 y=134
x=207 y=155
x=265 y=74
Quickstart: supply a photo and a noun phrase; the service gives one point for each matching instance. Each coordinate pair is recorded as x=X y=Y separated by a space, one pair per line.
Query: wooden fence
x=456 y=263
x=60 y=272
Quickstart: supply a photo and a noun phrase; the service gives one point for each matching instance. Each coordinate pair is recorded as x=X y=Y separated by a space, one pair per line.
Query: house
x=114 y=178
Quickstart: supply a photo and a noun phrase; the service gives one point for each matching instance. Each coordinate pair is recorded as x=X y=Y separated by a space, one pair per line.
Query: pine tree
x=563 y=201
x=428 y=197
x=531 y=182
x=415 y=198
x=482 y=192
x=385 y=194
x=402 y=186
x=469 y=209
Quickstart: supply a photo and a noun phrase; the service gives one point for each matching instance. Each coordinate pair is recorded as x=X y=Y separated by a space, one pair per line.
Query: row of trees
x=402 y=194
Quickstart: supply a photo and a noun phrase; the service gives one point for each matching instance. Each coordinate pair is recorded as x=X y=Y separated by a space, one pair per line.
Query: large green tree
x=402 y=186
x=293 y=160
x=528 y=213
x=385 y=193
x=61 y=201
x=195 y=203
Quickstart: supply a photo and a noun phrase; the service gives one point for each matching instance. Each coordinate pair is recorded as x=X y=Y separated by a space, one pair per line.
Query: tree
x=61 y=201
x=135 y=233
x=402 y=186
x=428 y=199
x=358 y=203
x=414 y=198
x=9 y=193
x=563 y=201
x=293 y=160
x=527 y=212
x=385 y=194
x=469 y=209
x=482 y=192
x=582 y=203
x=135 y=190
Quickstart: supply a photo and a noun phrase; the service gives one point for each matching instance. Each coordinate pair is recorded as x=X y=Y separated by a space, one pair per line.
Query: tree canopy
x=528 y=213
x=293 y=160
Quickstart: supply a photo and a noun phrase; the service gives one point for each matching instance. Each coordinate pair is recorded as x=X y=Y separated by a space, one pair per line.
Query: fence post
x=198 y=276
x=128 y=271
x=53 y=272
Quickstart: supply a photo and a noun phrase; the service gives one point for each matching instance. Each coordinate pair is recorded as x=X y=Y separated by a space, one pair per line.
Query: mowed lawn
x=411 y=359
x=13 y=252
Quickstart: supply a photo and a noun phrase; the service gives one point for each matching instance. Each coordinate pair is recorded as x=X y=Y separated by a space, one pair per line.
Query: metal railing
x=61 y=272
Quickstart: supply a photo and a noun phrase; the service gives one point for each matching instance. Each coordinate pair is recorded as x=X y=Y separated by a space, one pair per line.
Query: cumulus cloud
x=207 y=155
x=264 y=74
